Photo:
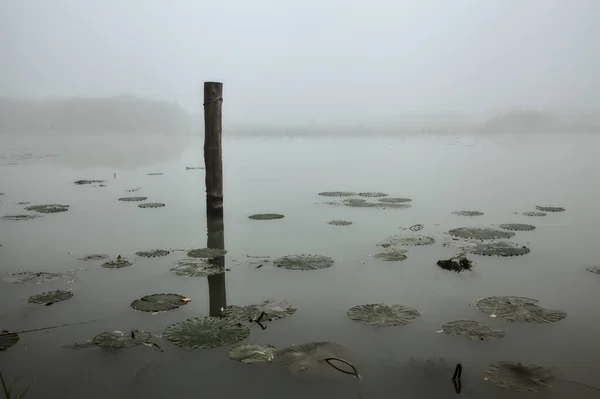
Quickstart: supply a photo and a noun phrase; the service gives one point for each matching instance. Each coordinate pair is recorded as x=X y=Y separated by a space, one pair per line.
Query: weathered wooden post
x=213 y=162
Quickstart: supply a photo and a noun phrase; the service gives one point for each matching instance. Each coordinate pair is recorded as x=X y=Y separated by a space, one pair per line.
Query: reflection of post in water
x=213 y=162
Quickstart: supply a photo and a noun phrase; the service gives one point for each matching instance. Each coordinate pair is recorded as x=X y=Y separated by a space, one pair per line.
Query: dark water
x=498 y=176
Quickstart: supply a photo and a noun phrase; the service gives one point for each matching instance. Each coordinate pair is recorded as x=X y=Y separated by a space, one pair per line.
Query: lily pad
x=372 y=194
x=550 y=208
x=93 y=257
x=49 y=208
x=517 y=227
x=304 y=262
x=479 y=233
x=593 y=269
x=48 y=298
x=392 y=256
x=252 y=353
x=521 y=309
x=206 y=253
x=468 y=213
x=132 y=190
x=133 y=199
x=8 y=339
x=358 y=203
x=311 y=360
x=340 y=222
x=117 y=263
x=151 y=205
x=205 y=332
x=337 y=194
x=474 y=330
x=383 y=315
x=391 y=205
x=406 y=241
x=196 y=267
x=155 y=174
x=24 y=276
x=393 y=200
x=153 y=253
x=500 y=249
x=159 y=302
x=534 y=214
x=272 y=309
x=519 y=376
x=21 y=217
x=80 y=182
x=266 y=216
x=122 y=339
x=355 y=201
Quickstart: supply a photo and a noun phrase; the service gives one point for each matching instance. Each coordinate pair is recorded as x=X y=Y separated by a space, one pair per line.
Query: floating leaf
x=373 y=194
x=517 y=227
x=392 y=256
x=593 y=269
x=406 y=241
x=309 y=360
x=80 y=182
x=266 y=216
x=153 y=253
x=337 y=194
x=93 y=257
x=252 y=353
x=8 y=339
x=518 y=309
x=117 y=263
x=479 y=233
x=519 y=376
x=383 y=315
x=272 y=309
x=24 y=276
x=159 y=302
x=468 y=213
x=500 y=249
x=194 y=167
x=48 y=298
x=391 y=205
x=394 y=200
x=122 y=339
x=196 y=267
x=133 y=199
x=534 y=213
x=21 y=217
x=155 y=174
x=340 y=222
x=205 y=332
x=206 y=253
x=151 y=205
x=50 y=208
x=474 y=330
x=303 y=262
x=358 y=203
x=550 y=208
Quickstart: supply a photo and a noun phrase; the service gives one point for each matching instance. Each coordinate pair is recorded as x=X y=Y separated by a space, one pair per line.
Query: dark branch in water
x=257 y=321
x=456 y=378
x=355 y=373
x=50 y=328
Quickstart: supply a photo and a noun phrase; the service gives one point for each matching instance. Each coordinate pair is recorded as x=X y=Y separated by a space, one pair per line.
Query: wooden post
x=213 y=157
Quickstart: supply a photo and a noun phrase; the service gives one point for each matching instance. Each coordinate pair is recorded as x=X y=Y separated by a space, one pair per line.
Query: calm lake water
x=500 y=176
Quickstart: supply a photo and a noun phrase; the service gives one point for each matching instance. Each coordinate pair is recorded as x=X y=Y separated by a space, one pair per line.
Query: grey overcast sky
x=313 y=60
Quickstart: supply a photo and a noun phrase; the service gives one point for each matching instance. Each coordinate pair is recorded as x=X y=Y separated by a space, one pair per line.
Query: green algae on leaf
x=392 y=256
x=272 y=309
x=266 y=216
x=310 y=360
x=133 y=199
x=480 y=233
x=517 y=227
x=153 y=253
x=519 y=376
x=304 y=262
x=122 y=339
x=206 y=253
x=49 y=208
x=383 y=315
x=205 y=332
x=537 y=214
x=593 y=269
x=117 y=263
x=372 y=194
x=196 y=267
x=93 y=257
x=159 y=302
x=468 y=213
x=21 y=217
x=337 y=194
x=500 y=249
x=410 y=240
x=339 y=222
x=473 y=330
x=7 y=339
x=393 y=200
x=151 y=205
x=24 y=276
x=48 y=298
x=519 y=309
x=252 y=353
x=550 y=208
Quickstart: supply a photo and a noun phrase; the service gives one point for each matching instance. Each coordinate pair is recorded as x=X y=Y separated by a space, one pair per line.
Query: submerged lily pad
x=252 y=353
x=392 y=256
x=339 y=222
x=358 y=203
x=206 y=253
x=266 y=216
x=383 y=315
x=303 y=262
x=272 y=309
x=21 y=217
x=155 y=174
x=205 y=332
x=355 y=201
x=519 y=376
x=406 y=241
x=133 y=199
x=122 y=339
x=7 y=339
x=593 y=269
x=24 y=276
x=534 y=213
x=373 y=194
x=391 y=205
x=500 y=249
x=474 y=330
x=117 y=263
x=153 y=253
x=480 y=233
x=550 y=208
x=515 y=308
x=49 y=208
x=93 y=257
x=393 y=200
x=80 y=182
x=337 y=194
x=196 y=267
x=310 y=360
x=468 y=213
x=159 y=302
x=517 y=227
x=132 y=190
x=151 y=205
x=48 y=298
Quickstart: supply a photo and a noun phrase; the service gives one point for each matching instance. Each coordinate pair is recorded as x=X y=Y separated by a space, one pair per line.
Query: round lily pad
x=117 y=263
x=50 y=208
x=474 y=330
x=252 y=353
x=517 y=227
x=392 y=256
x=21 y=217
x=8 y=339
x=500 y=249
x=24 y=276
x=155 y=174
x=122 y=339
x=132 y=190
x=195 y=267
x=550 y=208
x=406 y=241
x=359 y=203
x=355 y=201
x=133 y=199
x=266 y=216
x=48 y=298
x=593 y=269
x=272 y=309
x=383 y=315
x=393 y=200
x=519 y=376
x=159 y=302
x=312 y=360
x=391 y=205
x=534 y=213
x=468 y=213
x=93 y=257
x=205 y=332
x=515 y=308
x=153 y=253
x=303 y=262
x=373 y=194
x=337 y=194
x=151 y=205
x=80 y=182
x=340 y=222
x=479 y=233
x=206 y=253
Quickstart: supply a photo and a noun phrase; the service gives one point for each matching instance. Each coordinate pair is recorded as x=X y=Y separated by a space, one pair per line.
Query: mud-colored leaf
x=519 y=309
x=392 y=256
x=159 y=302
x=372 y=194
x=48 y=298
x=358 y=203
x=206 y=253
x=21 y=217
x=519 y=376
x=304 y=262
x=273 y=310
x=408 y=240
x=517 y=227
x=80 y=182
x=205 y=332
x=593 y=269
x=468 y=213
x=252 y=353
x=122 y=339
x=7 y=339
x=196 y=267
x=309 y=360
x=153 y=253
x=500 y=249
x=474 y=330
x=155 y=174
x=117 y=263
x=93 y=257
x=25 y=276
x=383 y=315
x=133 y=199
x=391 y=205
x=457 y=263
x=534 y=214
x=339 y=222
x=550 y=208
x=266 y=216
x=151 y=205
x=480 y=233
x=337 y=194
x=393 y=200
x=49 y=208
